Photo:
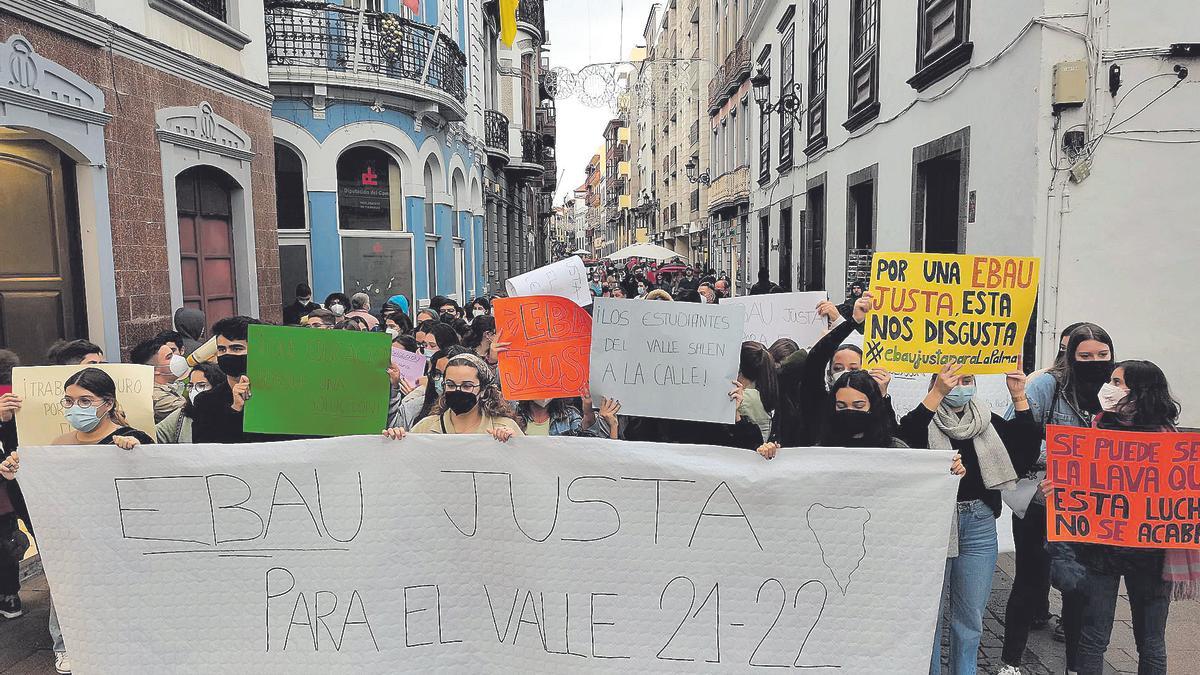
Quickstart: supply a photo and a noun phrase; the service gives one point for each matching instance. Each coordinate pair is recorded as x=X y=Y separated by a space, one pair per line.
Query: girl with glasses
x=177 y=427
x=470 y=403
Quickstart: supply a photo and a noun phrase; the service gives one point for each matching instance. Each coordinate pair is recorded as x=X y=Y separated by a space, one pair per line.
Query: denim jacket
x=572 y=420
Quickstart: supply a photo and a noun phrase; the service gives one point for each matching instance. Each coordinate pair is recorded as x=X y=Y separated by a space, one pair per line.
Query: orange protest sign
x=1123 y=488
x=550 y=346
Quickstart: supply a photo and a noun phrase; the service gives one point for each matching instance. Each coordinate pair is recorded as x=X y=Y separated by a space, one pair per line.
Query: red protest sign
x=550 y=345
x=1123 y=488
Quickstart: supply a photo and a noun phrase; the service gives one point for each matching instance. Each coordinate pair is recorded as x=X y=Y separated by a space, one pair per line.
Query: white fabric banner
x=566 y=278
x=782 y=315
x=456 y=554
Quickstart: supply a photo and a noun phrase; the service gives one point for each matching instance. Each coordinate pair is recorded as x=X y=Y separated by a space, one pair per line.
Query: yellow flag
x=508 y=21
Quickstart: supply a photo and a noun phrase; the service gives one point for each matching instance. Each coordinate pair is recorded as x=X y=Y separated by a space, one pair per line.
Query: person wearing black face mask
x=217 y=415
x=470 y=403
x=856 y=416
x=1064 y=395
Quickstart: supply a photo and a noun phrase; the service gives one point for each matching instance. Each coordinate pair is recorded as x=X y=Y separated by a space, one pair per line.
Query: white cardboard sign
x=675 y=360
x=450 y=554
x=782 y=315
x=565 y=278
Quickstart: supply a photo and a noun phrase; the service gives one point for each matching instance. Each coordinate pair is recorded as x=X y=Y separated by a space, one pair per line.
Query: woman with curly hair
x=470 y=403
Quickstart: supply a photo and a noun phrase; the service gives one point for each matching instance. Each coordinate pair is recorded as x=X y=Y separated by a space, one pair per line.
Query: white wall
x=246 y=16
x=1128 y=230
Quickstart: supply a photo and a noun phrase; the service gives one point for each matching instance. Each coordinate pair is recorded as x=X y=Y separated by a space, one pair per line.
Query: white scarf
x=995 y=466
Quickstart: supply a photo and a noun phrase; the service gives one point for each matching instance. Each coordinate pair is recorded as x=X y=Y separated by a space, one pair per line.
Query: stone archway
x=193 y=136
x=41 y=100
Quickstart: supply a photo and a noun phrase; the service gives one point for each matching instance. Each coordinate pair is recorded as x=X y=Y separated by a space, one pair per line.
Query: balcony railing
x=729 y=188
x=495 y=131
x=731 y=73
x=532 y=150
x=547 y=123
x=327 y=36
x=531 y=12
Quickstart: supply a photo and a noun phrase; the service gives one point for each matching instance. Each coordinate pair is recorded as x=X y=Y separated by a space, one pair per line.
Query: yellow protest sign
x=931 y=309
x=40 y=419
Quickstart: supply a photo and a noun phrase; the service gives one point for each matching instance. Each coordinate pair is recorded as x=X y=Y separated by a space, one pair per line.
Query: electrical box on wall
x=1070 y=84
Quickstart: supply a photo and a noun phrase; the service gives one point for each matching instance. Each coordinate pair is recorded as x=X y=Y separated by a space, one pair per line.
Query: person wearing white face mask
x=1136 y=397
x=480 y=306
x=435 y=336
x=550 y=417
x=177 y=427
x=337 y=303
x=993 y=452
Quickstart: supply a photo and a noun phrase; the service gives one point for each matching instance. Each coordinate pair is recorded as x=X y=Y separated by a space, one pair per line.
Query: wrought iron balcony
x=533 y=154
x=730 y=75
x=531 y=12
x=547 y=124
x=387 y=52
x=495 y=133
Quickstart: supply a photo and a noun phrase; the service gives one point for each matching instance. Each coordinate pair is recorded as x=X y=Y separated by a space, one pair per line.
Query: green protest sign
x=312 y=382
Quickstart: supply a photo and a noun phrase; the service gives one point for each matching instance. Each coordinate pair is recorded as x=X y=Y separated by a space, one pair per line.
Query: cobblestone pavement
x=25 y=642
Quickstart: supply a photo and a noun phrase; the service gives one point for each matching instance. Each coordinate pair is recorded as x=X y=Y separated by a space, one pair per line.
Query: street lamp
x=788 y=103
x=690 y=169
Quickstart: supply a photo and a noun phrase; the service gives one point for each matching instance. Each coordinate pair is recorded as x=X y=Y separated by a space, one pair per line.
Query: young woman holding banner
x=470 y=403
x=1136 y=398
x=994 y=452
x=1065 y=395
x=854 y=416
x=90 y=406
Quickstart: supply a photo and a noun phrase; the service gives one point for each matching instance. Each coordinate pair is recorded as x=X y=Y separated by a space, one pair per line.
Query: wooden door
x=40 y=267
x=206 y=243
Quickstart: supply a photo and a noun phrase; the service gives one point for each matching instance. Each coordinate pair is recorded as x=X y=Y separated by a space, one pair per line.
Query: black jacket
x=1022 y=438
x=742 y=434
x=293 y=312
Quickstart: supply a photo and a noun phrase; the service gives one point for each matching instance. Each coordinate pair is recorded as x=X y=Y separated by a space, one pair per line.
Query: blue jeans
x=1149 y=602
x=55 y=630
x=969 y=578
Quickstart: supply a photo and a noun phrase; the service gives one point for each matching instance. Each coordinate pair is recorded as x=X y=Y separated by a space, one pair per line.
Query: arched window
x=290 y=197
x=206 y=257
x=368 y=190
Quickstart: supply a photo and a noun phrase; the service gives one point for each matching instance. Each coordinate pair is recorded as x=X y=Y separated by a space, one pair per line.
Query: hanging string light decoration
x=610 y=85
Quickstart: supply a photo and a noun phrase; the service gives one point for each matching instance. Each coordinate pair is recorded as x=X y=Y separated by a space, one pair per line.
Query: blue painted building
x=392 y=135
x=379 y=153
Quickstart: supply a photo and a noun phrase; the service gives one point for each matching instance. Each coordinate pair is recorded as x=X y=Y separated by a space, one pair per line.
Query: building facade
x=678 y=66
x=1051 y=129
x=136 y=160
x=409 y=146
x=729 y=102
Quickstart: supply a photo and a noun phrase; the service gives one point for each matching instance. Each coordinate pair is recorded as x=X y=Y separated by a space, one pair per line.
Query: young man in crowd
x=157 y=352
x=74 y=353
x=301 y=307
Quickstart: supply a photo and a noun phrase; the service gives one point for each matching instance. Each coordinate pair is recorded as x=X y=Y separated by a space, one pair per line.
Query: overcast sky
x=583 y=32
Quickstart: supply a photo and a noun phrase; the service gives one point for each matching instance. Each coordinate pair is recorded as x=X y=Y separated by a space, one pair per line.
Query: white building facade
x=941 y=126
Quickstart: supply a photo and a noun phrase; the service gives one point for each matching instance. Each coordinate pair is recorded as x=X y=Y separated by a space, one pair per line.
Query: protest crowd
x=786 y=395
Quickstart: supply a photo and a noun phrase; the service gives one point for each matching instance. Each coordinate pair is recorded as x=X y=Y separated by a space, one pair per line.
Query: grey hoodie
x=190 y=323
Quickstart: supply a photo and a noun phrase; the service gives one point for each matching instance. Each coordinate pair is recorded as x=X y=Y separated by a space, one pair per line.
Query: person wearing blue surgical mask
x=993 y=453
x=90 y=405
